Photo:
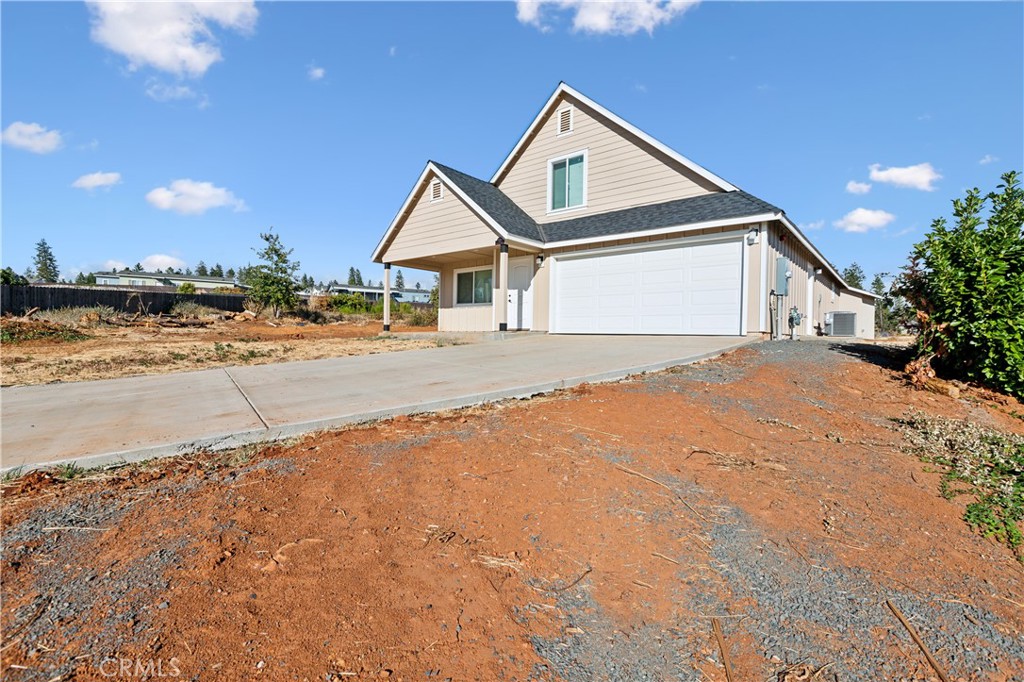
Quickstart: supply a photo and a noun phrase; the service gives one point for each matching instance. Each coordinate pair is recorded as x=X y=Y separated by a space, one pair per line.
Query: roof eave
x=784 y=219
x=683 y=227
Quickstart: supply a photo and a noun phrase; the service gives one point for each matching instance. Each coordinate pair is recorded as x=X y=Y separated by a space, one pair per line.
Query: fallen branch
x=917 y=640
x=54 y=528
x=716 y=627
x=679 y=497
x=666 y=558
x=572 y=584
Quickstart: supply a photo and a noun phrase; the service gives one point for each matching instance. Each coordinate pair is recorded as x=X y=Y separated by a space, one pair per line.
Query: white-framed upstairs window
x=564 y=119
x=436 y=190
x=567 y=182
x=474 y=286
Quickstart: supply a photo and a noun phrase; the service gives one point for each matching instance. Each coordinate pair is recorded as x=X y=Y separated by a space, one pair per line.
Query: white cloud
x=93 y=181
x=175 y=37
x=162 y=92
x=620 y=17
x=32 y=137
x=393 y=50
x=90 y=146
x=861 y=220
x=315 y=73
x=189 y=197
x=111 y=265
x=161 y=261
x=815 y=225
x=987 y=159
x=922 y=176
x=854 y=187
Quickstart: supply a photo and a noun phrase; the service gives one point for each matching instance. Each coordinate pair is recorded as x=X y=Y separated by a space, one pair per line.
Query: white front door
x=520 y=293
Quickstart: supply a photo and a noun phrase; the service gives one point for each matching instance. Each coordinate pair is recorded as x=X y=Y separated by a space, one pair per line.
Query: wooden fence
x=17 y=299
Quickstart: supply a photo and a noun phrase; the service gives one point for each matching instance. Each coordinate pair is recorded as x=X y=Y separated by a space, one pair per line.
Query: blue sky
x=129 y=138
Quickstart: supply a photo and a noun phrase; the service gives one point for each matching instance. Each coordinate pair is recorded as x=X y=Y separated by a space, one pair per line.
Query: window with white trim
x=474 y=287
x=567 y=180
x=436 y=191
x=565 y=121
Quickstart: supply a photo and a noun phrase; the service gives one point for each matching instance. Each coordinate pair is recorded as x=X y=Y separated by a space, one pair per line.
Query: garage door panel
x=656 y=278
x=623 y=280
x=675 y=290
x=675 y=300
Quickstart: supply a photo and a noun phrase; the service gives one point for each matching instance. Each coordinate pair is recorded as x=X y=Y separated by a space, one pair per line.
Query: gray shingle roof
x=495 y=203
x=718 y=206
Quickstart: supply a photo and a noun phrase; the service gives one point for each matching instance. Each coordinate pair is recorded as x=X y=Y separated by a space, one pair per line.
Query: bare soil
x=589 y=535
x=111 y=352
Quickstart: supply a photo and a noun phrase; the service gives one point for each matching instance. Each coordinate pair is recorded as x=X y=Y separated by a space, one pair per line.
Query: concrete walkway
x=103 y=422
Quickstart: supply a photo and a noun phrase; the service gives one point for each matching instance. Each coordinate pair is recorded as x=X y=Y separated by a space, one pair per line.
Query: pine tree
x=230 y=273
x=359 y=278
x=274 y=280
x=352 y=275
x=399 y=280
x=45 y=262
x=138 y=267
x=854 y=276
x=202 y=270
x=216 y=270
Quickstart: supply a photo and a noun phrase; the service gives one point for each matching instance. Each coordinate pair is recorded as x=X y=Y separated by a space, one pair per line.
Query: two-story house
x=591 y=226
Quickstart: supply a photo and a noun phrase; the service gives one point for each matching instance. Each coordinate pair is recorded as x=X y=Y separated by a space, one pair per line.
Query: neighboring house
x=158 y=279
x=377 y=293
x=602 y=229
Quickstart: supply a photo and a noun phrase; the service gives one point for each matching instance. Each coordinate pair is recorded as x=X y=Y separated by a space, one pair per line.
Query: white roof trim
x=473 y=206
x=707 y=224
x=817 y=254
x=668 y=151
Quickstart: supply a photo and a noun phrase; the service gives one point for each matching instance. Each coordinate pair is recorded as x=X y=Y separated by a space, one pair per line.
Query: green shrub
x=186 y=288
x=422 y=317
x=967 y=284
x=348 y=303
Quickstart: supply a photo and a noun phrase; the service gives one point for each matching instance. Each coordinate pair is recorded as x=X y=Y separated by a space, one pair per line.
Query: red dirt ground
x=566 y=537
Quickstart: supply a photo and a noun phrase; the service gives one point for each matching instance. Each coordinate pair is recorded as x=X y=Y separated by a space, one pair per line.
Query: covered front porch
x=492 y=288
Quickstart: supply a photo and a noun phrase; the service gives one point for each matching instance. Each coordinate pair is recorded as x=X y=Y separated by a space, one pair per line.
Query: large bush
x=967 y=284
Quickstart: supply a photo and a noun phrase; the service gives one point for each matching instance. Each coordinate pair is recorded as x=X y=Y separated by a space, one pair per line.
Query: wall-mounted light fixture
x=754 y=236
x=817 y=271
x=540 y=260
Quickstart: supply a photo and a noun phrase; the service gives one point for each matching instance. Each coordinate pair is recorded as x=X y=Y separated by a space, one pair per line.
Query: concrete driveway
x=103 y=422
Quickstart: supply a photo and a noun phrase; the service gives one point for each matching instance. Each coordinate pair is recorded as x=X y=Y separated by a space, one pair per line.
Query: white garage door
x=676 y=290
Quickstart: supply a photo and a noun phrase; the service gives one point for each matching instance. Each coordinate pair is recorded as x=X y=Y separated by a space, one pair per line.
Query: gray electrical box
x=781 y=280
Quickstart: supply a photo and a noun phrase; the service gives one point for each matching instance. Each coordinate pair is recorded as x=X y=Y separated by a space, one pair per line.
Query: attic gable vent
x=436 y=191
x=565 y=121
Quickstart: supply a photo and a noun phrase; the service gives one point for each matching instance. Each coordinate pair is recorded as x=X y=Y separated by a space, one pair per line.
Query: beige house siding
x=754 y=296
x=622 y=170
x=438 y=227
x=830 y=297
x=781 y=242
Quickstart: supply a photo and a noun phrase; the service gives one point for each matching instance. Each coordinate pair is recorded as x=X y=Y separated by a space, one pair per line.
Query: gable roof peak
x=565 y=88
